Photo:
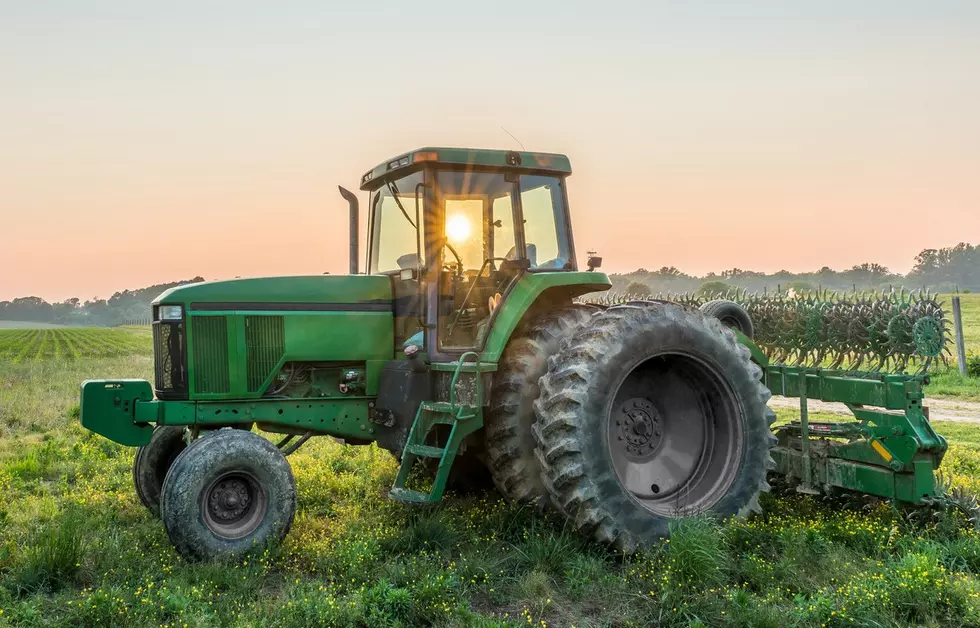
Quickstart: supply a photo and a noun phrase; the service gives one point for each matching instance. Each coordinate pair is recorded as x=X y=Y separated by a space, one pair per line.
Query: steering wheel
x=466 y=298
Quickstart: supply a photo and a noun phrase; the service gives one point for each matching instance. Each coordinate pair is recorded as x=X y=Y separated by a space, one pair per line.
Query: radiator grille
x=265 y=343
x=210 y=336
x=169 y=367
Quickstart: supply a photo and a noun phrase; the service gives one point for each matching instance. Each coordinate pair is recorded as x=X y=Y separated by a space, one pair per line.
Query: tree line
x=120 y=308
x=952 y=269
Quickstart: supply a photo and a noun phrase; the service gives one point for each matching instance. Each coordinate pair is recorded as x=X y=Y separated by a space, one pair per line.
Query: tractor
x=462 y=348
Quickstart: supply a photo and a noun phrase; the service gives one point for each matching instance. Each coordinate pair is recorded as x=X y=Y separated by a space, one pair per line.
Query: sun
x=458 y=228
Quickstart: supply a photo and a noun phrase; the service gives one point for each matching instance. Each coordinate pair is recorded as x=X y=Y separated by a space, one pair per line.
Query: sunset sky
x=148 y=142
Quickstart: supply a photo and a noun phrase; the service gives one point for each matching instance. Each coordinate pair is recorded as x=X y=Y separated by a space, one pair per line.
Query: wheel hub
x=229 y=499
x=639 y=426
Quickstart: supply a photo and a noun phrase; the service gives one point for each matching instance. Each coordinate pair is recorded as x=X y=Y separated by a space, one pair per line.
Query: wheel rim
x=674 y=434
x=234 y=505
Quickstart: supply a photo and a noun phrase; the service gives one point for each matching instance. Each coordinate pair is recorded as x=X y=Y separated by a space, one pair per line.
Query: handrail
x=455 y=380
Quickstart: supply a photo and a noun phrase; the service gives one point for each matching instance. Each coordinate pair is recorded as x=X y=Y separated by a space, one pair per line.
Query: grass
x=947 y=381
x=78 y=549
x=970 y=312
x=72 y=343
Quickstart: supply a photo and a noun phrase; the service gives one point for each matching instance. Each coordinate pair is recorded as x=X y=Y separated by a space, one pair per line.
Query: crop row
x=22 y=345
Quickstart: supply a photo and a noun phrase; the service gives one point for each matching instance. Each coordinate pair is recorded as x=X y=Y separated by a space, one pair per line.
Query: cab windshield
x=397 y=225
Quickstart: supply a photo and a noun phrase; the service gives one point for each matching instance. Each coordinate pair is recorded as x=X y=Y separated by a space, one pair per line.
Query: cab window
x=396 y=214
x=545 y=228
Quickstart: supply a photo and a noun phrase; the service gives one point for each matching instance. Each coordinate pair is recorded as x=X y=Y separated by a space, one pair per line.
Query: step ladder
x=464 y=419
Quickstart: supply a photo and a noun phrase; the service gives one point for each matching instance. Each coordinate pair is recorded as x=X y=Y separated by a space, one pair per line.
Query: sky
x=144 y=142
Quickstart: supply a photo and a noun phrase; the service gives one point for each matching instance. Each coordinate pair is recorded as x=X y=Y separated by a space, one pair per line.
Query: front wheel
x=229 y=493
x=153 y=461
x=649 y=413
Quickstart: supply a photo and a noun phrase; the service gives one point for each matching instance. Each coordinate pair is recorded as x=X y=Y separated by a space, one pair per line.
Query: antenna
x=512 y=136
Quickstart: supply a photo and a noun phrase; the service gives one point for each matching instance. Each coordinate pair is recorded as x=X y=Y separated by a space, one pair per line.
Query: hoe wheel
x=509 y=440
x=730 y=314
x=229 y=493
x=152 y=462
x=650 y=413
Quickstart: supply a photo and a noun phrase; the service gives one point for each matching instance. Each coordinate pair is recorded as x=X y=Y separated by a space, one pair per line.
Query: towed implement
x=463 y=349
x=813 y=347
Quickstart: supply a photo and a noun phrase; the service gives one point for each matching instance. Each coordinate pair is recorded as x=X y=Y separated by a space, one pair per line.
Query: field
x=78 y=549
x=28 y=325
x=72 y=343
x=970 y=309
x=947 y=382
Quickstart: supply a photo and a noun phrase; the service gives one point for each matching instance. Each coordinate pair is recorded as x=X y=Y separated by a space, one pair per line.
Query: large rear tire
x=229 y=493
x=152 y=462
x=509 y=439
x=650 y=413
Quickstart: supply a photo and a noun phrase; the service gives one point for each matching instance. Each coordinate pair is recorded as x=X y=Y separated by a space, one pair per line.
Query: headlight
x=171 y=312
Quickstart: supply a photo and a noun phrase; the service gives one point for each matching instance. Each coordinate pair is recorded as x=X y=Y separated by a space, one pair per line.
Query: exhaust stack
x=351 y=199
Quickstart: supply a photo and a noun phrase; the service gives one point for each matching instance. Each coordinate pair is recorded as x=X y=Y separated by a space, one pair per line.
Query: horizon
x=144 y=144
x=713 y=275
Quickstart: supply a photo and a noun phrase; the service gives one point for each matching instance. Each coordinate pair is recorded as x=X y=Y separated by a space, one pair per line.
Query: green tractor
x=462 y=345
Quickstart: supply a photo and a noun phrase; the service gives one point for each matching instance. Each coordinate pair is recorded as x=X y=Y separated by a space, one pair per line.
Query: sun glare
x=458 y=229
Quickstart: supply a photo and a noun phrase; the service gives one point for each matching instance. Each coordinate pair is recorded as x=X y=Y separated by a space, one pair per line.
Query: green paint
x=527 y=291
x=218 y=349
x=109 y=407
x=887 y=453
x=301 y=289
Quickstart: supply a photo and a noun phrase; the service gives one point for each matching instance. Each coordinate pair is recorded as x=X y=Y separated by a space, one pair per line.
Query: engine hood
x=312 y=292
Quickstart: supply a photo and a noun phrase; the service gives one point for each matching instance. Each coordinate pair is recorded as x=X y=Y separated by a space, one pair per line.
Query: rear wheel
x=152 y=462
x=650 y=413
x=509 y=440
x=230 y=492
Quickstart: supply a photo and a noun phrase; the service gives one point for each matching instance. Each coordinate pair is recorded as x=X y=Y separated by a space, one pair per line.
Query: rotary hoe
x=464 y=348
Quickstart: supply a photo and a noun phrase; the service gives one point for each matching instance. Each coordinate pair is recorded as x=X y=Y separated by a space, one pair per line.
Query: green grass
x=970 y=311
x=947 y=381
x=78 y=549
x=72 y=343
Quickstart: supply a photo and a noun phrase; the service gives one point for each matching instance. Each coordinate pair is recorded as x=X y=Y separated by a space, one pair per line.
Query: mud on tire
x=649 y=413
x=229 y=493
x=152 y=462
x=509 y=441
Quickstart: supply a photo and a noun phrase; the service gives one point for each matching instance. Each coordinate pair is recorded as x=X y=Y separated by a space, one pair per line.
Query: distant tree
x=638 y=289
x=670 y=272
x=715 y=289
x=958 y=265
x=121 y=306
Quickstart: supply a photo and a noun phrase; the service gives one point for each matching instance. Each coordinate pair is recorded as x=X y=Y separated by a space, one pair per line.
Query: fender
x=527 y=291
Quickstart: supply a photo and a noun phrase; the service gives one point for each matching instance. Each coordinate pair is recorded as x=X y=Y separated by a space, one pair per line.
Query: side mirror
x=594 y=261
x=407 y=274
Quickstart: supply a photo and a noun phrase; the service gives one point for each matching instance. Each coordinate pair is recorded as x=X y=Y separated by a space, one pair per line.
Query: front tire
x=229 y=493
x=650 y=413
x=153 y=461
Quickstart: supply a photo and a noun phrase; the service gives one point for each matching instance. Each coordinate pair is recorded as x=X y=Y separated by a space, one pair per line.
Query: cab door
x=479 y=256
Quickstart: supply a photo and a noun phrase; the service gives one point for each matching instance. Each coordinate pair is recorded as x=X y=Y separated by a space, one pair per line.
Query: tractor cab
x=455 y=229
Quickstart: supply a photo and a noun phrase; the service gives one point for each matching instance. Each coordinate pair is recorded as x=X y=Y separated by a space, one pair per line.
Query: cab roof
x=488 y=158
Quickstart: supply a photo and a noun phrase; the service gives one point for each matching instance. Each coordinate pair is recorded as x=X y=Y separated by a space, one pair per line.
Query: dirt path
x=939 y=409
